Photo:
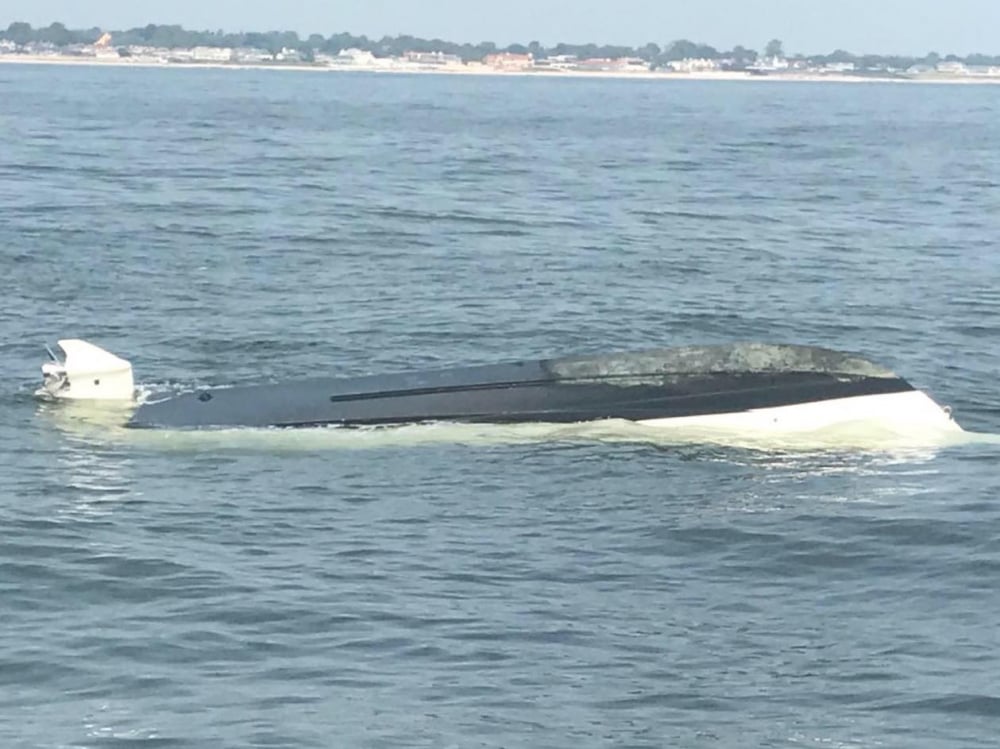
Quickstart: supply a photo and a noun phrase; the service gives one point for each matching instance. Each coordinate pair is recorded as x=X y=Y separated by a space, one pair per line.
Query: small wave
x=986 y=706
x=452 y=216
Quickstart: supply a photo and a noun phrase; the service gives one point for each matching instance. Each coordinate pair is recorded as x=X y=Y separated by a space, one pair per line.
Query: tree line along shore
x=290 y=46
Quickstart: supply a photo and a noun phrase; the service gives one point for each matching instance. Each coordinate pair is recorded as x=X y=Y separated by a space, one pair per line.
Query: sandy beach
x=482 y=70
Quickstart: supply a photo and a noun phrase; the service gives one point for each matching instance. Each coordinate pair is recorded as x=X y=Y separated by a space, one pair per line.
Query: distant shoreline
x=465 y=70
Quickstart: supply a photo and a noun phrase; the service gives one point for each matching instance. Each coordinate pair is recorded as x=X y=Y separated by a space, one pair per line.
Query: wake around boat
x=747 y=386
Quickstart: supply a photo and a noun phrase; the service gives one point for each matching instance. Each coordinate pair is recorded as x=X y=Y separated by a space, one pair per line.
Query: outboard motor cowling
x=88 y=372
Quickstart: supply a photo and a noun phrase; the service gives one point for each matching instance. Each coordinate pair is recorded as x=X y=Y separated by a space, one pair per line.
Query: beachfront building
x=838 y=67
x=509 y=61
x=148 y=54
x=557 y=62
x=694 y=65
x=101 y=49
x=432 y=59
x=250 y=55
x=771 y=64
x=991 y=71
x=611 y=65
x=212 y=54
x=346 y=58
x=952 y=68
x=353 y=57
x=78 y=50
x=201 y=54
x=41 y=49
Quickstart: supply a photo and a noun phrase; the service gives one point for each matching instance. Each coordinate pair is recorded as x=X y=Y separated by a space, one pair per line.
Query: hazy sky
x=889 y=26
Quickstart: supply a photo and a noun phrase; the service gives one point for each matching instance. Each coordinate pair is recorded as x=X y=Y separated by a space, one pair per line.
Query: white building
x=352 y=57
x=952 y=68
x=694 y=65
x=557 y=62
x=433 y=59
x=985 y=70
x=771 y=63
x=211 y=54
x=250 y=55
x=287 y=54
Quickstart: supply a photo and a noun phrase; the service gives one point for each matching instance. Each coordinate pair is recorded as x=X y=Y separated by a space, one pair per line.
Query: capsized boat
x=757 y=386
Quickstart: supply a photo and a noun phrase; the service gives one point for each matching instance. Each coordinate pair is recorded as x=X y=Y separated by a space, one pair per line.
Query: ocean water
x=449 y=587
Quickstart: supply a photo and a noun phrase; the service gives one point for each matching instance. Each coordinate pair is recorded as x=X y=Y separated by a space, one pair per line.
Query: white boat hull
x=898 y=411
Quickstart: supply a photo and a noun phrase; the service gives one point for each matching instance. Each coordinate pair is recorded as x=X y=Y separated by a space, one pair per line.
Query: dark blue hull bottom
x=557 y=391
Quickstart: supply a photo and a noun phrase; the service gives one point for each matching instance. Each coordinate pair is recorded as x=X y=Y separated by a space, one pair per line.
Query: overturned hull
x=757 y=386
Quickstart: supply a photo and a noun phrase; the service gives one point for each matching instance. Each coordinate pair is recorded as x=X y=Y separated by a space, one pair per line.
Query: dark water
x=313 y=590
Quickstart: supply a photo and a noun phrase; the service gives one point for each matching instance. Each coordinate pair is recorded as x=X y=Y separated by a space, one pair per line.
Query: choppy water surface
x=506 y=588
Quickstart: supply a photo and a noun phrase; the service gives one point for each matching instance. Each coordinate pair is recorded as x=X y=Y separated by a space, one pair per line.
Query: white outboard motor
x=87 y=373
